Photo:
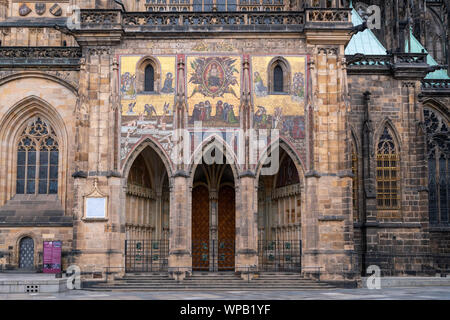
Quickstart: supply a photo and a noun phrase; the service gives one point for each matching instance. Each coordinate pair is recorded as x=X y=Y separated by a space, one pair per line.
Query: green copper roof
x=416 y=47
x=364 y=42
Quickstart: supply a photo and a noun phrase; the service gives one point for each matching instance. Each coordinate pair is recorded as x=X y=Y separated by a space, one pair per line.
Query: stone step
x=212 y=287
x=200 y=289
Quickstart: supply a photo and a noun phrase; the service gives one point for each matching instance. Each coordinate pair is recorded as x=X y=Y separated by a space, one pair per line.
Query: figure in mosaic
x=260 y=89
x=298 y=87
x=127 y=86
x=167 y=88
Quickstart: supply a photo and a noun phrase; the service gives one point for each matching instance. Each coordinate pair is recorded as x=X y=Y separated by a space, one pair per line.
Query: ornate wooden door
x=226 y=228
x=26 y=253
x=200 y=228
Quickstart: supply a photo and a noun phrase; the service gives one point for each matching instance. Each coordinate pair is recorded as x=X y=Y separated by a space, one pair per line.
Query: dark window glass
x=21 y=158
x=54 y=157
x=443 y=181
x=32 y=157
x=149 y=79
x=53 y=172
x=43 y=157
x=432 y=197
x=438 y=153
x=53 y=187
x=34 y=160
x=20 y=187
x=43 y=172
x=20 y=172
x=42 y=186
x=30 y=187
x=31 y=172
x=207 y=5
x=278 y=79
x=197 y=5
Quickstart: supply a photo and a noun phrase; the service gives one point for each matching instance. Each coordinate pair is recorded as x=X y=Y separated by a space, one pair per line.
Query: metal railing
x=279 y=256
x=146 y=255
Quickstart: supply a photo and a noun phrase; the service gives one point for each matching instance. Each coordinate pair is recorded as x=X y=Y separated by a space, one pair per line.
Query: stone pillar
x=98 y=243
x=180 y=258
x=246 y=224
x=327 y=223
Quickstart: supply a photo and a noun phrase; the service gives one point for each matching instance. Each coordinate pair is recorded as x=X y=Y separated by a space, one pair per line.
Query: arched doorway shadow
x=280 y=202
x=147 y=203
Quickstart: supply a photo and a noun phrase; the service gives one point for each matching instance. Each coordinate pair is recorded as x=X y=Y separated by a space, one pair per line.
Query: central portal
x=213 y=218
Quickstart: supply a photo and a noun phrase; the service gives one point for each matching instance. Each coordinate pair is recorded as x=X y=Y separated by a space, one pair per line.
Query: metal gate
x=146 y=255
x=213 y=255
x=279 y=256
x=26 y=253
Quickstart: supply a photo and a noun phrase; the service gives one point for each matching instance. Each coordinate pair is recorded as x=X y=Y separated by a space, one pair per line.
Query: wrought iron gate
x=279 y=256
x=213 y=255
x=26 y=253
x=146 y=255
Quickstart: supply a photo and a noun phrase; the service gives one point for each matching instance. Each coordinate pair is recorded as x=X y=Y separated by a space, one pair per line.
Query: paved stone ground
x=417 y=293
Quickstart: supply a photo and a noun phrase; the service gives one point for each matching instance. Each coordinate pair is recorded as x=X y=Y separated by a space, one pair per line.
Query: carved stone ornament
x=40 y=8
x=56 y=10
x=24 y=10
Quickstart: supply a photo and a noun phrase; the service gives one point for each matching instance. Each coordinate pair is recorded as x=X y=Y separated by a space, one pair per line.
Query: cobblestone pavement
x=417 y=293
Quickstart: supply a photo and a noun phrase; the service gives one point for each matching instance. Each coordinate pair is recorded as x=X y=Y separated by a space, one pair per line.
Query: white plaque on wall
x=95 y=208
x=95 y=205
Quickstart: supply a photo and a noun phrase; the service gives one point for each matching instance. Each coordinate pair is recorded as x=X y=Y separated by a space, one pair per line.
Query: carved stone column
x=246 y=223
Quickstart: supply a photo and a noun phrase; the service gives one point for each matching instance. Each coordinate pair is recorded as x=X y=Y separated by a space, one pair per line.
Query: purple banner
x=52 y=256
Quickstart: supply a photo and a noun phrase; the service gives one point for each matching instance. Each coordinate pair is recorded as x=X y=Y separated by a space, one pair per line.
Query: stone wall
x=10 y=239
x=396 y=240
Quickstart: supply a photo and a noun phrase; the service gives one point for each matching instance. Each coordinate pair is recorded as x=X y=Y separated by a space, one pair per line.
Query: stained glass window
x=438 y=154
x=37 y=159
x=388 y=173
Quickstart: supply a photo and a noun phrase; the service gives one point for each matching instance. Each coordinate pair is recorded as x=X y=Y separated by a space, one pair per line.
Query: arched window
x=278 y=79
x=279 y=76
x=355 y=183
x=149 y=79
x=148 y=76
x=388 y=173
x=438 y=148
x=37 y=159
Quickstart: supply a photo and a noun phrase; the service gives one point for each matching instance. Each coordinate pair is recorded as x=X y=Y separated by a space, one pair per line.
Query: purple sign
x=52 y=256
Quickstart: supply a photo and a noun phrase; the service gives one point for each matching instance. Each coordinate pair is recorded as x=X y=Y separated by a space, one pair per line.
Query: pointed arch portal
x=279 y=217
x=213 y=217
x=147 y=204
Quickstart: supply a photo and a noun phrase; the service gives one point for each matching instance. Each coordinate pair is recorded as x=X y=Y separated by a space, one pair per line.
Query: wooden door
x=200 y=228
x=226 y=228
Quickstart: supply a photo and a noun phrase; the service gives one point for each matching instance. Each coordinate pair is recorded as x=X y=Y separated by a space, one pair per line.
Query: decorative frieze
x=99 y=18
x=207 y=18
x=40 y=52
x=140 y=191
x=328 y=15
x=286 y=191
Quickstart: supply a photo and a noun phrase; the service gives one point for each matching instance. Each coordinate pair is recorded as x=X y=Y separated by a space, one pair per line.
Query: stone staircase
x=199 y=281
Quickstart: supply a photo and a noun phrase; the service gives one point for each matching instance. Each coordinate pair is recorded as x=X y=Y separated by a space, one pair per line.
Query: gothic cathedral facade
x=226 y=135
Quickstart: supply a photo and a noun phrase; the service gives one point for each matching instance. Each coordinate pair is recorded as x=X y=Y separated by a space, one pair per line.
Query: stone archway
x=279 y=217
x=147 y=208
